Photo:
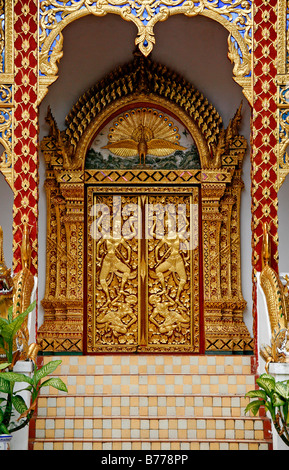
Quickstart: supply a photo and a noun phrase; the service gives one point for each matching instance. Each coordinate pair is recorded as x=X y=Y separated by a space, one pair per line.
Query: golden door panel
x=142 y=271
x=114 y=271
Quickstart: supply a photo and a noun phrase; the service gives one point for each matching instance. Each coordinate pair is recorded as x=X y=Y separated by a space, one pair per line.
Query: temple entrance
x=142 y=275
x=143 y=220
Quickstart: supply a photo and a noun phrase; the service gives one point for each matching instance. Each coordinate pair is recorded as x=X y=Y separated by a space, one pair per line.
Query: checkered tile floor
x=150 y=403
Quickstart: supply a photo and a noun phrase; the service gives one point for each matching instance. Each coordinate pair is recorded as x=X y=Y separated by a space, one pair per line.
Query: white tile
x=106 y=401
x=163 y=424
x=87 y=423
x=50 y=423
x=67 y=446
x=243 y=446
x=107 y=360
x=107 y=446
x=220 y=424
x=230 y=434
x=106 y=423
x=126 y=446
x=48 y=446
x=165 y=445
x=146 y=446
x=201 y=424
x=116 y=433
x=69 y=423
x=182 y=423
x=144 y=424
x=87 y=446
x=204 y=446
x=239 y=424
x=125 y=424
x=185 y=446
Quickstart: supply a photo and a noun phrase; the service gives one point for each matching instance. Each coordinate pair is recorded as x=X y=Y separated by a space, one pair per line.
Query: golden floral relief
x=169 y=280
x=116 y=270
x=141 y=276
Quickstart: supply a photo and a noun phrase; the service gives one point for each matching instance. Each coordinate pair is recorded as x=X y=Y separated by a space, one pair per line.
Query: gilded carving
x=23 y=287
x=170 y=276
x=275 y=295
x=128 y=279
x=116 y=257
x=140 y=289
x=17 y=292
x=235 y=16
x=143 y=131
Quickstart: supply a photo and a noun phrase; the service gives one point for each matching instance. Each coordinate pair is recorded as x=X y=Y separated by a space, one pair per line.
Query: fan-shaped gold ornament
x=143 y=131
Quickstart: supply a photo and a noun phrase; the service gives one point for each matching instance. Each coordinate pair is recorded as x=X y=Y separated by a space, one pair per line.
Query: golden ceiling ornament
x=143 y=131
x=235 y=16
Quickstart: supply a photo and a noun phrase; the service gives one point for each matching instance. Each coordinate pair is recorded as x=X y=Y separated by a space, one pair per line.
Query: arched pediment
x=142 y=82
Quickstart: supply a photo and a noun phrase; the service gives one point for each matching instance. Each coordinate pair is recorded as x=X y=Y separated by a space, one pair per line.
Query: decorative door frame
x=145 y=83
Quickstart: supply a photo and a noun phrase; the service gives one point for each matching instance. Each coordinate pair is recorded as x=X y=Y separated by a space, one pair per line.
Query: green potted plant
x=14 y=413
x=274 y=396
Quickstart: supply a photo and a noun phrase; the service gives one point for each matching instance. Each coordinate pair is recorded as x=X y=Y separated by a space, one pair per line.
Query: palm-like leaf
x=46 y=370
x=254 y=406
x=15 y=377
x=283 y=389
x=257 y=394
x=8 y=330
x=19 y=404
x=55 y=382
x=267 y=382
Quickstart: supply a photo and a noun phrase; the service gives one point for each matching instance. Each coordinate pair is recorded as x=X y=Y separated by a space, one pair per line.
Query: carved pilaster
x=212 y=219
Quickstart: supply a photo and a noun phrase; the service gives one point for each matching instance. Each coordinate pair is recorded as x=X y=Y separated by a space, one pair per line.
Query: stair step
x=162 y=364
x=157 y=384
x=149 y=444
x=142 y=405
x=146 y=402
x=150 y=428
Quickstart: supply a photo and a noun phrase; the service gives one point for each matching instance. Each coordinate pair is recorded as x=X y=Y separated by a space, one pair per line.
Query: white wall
x=283 y=230
x=194 y=47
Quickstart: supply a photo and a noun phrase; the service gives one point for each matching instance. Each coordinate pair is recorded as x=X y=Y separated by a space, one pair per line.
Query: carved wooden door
x=142 y=275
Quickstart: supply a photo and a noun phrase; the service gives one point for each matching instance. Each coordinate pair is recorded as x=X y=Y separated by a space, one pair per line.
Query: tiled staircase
x=161 y=402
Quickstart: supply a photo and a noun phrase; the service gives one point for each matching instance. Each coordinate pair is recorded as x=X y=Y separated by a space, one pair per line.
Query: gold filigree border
x=235 y=17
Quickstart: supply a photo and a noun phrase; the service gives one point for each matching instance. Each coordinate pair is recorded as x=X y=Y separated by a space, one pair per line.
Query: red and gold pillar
x=264 y=135
x=25 y=128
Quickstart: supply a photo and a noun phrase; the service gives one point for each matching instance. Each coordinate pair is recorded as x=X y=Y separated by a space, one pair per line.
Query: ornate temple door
x=143 y=220
x=143 y=269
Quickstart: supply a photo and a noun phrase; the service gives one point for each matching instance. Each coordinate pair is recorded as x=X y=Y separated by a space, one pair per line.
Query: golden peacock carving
x=143 y=131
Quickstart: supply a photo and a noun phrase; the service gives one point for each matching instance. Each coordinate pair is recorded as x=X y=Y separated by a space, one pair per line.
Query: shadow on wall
x=6 y=219
x=283 y=215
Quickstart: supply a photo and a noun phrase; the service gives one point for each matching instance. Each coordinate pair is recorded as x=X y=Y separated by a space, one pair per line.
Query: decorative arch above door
x=101 y=298
x=235 y=16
